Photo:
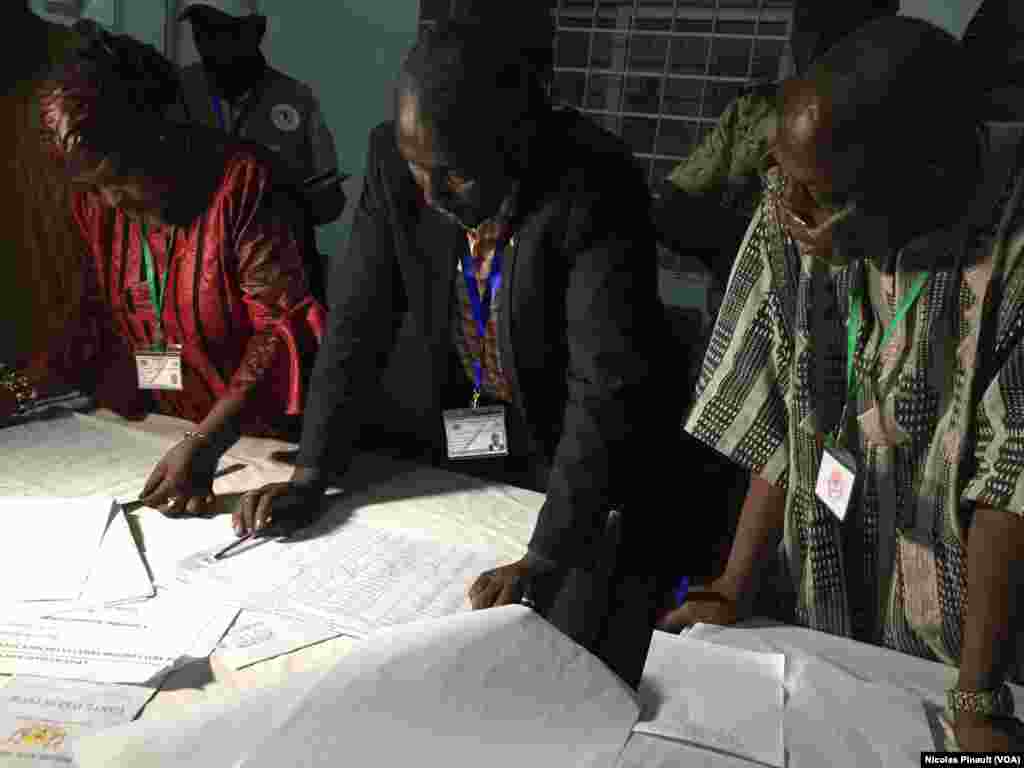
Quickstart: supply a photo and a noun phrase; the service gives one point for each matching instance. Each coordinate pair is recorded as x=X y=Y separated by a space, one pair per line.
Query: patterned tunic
x=939 y=419
x=237 y=301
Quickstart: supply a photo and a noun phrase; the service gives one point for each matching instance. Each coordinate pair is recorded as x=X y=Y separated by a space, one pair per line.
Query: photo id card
x=835 y=481
x=475 y=433
x=159 y=368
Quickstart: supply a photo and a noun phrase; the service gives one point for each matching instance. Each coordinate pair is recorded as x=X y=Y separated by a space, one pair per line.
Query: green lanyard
x=854 y=323
x=157 y=296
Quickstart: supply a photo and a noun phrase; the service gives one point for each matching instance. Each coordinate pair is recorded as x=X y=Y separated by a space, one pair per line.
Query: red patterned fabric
x=237 y=301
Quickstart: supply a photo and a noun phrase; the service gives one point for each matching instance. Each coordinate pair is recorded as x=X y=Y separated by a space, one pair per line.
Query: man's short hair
x=899 y=88
x=470 y=76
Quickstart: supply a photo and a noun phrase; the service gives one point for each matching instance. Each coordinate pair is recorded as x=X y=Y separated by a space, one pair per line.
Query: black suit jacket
x=582 y=332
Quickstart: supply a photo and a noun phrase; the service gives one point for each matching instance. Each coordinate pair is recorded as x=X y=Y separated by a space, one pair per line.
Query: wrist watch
x=997 y=702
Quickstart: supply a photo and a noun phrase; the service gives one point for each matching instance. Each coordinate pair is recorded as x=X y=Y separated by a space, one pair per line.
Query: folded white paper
x=714 y=696
x=120 y=573
x=50 y=545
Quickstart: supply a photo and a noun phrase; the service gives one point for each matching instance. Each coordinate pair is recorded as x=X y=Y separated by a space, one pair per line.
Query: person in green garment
x=719 y=184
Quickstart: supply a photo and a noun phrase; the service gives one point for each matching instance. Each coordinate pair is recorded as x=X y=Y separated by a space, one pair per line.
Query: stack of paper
x=501 y=688
x=352 y=581
x=714 y=696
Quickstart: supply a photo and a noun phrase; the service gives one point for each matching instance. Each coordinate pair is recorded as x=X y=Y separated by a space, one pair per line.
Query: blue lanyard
x=481 y=307
x=218 y=110
x=681 y=590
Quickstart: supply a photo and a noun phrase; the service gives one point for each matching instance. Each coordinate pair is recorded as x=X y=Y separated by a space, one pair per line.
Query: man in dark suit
x=518 y=238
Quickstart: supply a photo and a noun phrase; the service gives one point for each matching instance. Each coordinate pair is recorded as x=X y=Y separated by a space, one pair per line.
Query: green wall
x=349 y=51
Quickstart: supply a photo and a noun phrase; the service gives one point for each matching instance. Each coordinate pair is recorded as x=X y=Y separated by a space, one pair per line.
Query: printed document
x=74 y=455
x=40 y=717
x=132 y=642
x=358 y=578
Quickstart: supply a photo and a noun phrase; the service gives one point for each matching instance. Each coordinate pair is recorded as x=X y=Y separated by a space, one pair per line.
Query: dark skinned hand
x=975 y=733
x=507 y=584
x=713 y=605
x=286 y=506
x=183 y=478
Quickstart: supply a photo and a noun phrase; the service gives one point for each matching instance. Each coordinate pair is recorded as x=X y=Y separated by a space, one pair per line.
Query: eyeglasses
x=782 y=189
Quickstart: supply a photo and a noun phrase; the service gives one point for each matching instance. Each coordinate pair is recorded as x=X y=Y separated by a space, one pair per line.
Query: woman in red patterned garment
x=196 y=304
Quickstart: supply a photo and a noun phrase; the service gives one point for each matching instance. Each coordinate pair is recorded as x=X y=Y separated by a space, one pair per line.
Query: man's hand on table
x=715 y=604
x=975 y=733
x=286 y=506
x=508 y=584
x=504 y=585
x=183 y=477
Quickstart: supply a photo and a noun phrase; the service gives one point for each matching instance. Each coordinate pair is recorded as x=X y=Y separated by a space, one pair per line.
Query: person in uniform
x=233 y=88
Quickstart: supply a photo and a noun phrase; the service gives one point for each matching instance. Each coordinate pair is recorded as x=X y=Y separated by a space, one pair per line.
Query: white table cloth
x=846 y=703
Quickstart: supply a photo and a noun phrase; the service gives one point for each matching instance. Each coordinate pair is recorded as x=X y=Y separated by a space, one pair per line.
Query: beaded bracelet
x=18 y=384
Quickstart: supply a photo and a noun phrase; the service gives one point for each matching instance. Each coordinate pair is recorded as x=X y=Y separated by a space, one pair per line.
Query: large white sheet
x=500 y=688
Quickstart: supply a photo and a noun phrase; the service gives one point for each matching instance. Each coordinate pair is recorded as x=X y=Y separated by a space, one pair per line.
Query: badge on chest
x=159 y=368
x=835 y=480
x=474 y=433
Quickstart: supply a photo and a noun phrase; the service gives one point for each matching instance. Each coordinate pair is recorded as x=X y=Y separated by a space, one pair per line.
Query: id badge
x=835 y=480
x=476 y=433
x=159 y=368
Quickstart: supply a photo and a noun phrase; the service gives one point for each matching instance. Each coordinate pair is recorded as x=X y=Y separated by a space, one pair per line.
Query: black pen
x=263 y=533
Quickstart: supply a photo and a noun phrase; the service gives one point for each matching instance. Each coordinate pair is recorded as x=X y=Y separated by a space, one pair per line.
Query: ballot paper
x=500 y=688
x=130 y=642
x=358 y=578
x=40 y=717
x=50 y=545
x=714 y=696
